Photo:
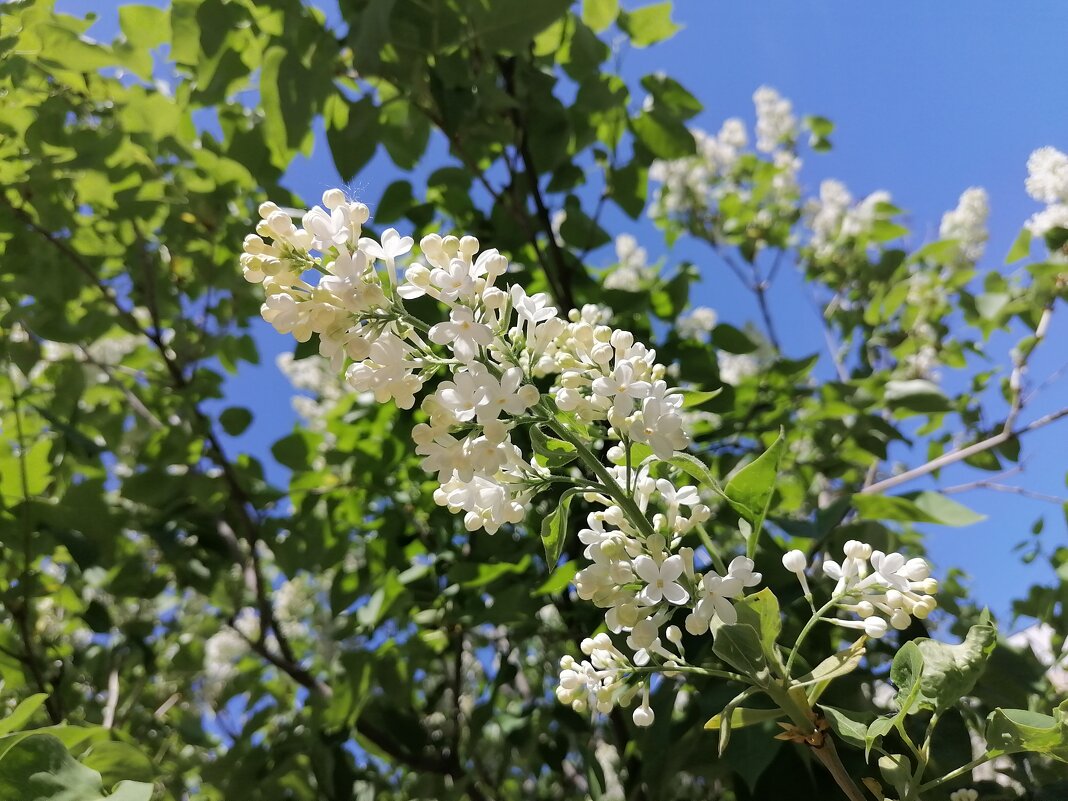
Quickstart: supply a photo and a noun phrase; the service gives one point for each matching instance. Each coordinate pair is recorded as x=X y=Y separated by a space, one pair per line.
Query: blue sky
x=928 y=99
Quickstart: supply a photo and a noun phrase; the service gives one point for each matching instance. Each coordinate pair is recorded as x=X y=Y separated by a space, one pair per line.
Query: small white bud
x=332 y=198
x=674 y=634
x=643 y=716
x=695 y=624
x=875 y=627
x=795 y=561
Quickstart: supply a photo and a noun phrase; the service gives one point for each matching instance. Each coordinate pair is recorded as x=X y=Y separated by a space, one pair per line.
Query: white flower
x=1042 y=222
x=662 y=580
x=697 y=323
x=660 y=427
x=1047 y=178
x=967 y=223
x=392 y=247
x=775 y=120
x=463 y=335
x=717 y=592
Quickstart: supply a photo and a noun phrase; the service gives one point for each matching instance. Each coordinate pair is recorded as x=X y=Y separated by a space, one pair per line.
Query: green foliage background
x=130 y=535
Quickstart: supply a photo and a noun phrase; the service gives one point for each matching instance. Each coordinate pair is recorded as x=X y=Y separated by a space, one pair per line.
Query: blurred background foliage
x=173 y=618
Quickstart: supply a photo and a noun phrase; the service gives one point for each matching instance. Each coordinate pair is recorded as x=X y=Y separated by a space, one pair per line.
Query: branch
x=559 y=275
x=1006 y=433
x=996 y=487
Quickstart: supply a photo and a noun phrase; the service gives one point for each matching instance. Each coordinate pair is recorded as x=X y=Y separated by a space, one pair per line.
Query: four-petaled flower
x=662 y=580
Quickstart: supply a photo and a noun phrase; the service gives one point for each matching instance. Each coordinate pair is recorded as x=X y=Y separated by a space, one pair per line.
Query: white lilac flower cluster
x=835 y=220
x=697 y=324
x=884 y=590
x=967 y=223
x=776 y=123
x=1047 y=182
x=633 y=272
x=691 y=186
x=493 y=346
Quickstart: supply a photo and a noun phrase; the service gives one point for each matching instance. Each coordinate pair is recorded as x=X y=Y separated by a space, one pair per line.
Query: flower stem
x=591 y=461
x=953 y=774
x=812 y=621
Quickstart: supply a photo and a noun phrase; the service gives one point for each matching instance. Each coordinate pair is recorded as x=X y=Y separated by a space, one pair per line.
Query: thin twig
x=1006 y=433
x=113 y=698
x=1009 y=488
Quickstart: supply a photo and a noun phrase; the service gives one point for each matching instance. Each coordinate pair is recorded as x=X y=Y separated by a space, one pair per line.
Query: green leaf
x=628 y=187
x=923 y=507
x=851 y=727
x=274 y=124
x=235 y=420
x=897 y=770
x=727 y=337
x=949 y=671
x=144 y=26
x=740 y=646
x=649 y=25
x=513 y=24
x=352 y=131
x=839 y=664
x=553 y=452
x=488 y=573
x=26 y=475
x=697 y=470
x=667 y=93
x=599 y=14
x=761 y=611
x=395 y=202
x=1014 y=731
x=916 y=395
x=749 y=491
x=694 y=397
x=559 y=579
x=663 y=134
x=554 y=530
x=21 y=714
x=1021 y=247
x=946 y=511
x=740 y=717
x=40 y=767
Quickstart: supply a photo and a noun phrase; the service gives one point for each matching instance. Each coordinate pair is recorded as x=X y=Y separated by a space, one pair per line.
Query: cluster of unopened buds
x=884 y=590
x=497 y=346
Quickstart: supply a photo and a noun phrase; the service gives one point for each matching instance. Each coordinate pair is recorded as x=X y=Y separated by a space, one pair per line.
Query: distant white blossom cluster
x=691 y=187
x=1047 y=182
x=633 y=272
x=835 y=220
x=883 y=590
x=313 y=375
x=967 y=223
x=776 y=123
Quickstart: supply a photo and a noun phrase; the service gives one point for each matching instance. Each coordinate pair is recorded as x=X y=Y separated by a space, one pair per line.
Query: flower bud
x=875 y=627
x=795 y=561
x=332 y=198
x=900 y=619
x=917 y=569
x=695 y=624
x=674 y=634
x=643 y=716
